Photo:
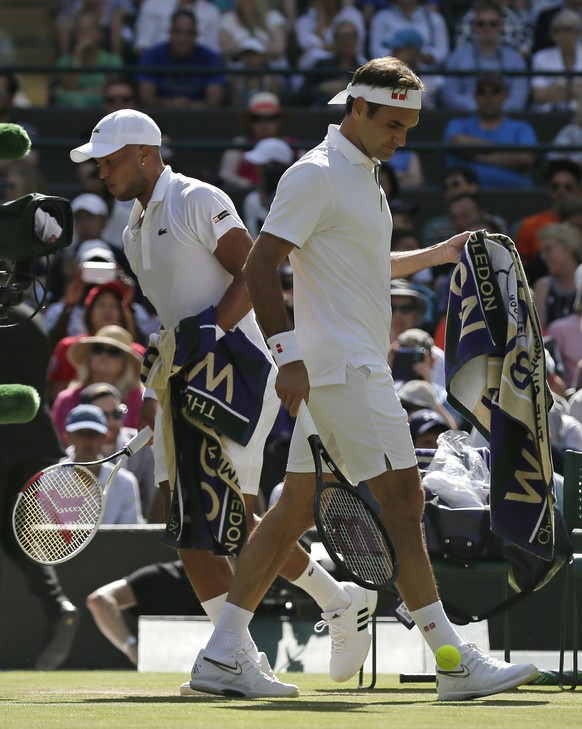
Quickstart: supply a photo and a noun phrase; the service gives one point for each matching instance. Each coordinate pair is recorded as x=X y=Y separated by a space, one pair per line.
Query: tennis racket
x=58 y=512
x=351 y=532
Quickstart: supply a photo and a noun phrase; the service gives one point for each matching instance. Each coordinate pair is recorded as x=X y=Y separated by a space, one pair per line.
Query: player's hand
x=292 y=386
x=454 y=246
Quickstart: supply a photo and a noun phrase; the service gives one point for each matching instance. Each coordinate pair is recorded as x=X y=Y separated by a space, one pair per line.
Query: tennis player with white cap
x=187 y=245
x=331 y=217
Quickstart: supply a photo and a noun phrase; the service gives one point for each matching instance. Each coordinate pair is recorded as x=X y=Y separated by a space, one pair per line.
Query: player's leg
x=106 y=605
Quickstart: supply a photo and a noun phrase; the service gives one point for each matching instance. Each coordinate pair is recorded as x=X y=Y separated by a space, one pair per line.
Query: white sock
x=327 y=592
x=213 y=608
x=435 y=627
x=231 y=631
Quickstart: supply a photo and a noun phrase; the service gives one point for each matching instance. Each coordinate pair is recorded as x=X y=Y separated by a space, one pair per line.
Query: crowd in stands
x=97 y=319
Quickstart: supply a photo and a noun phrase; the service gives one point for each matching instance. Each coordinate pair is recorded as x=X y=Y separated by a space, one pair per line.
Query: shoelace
x=337 y=631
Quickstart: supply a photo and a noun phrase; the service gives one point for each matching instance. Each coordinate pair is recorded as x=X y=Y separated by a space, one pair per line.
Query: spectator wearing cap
x=336 y=69
x=272 y=157
x=419 y=394
x=104 y=304
x=141 y=463
x=407 y=15
x=558 y=93
x=407 y=46
x=495 y=139
x=485 y=55
x=187 y=90
x=409 y=307
x=425 y=427
x=263 y=119
x=259 y=73
x=85 y=433
x=107 y=356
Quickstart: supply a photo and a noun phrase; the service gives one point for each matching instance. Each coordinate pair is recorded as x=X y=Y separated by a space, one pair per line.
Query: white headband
x=387 y=96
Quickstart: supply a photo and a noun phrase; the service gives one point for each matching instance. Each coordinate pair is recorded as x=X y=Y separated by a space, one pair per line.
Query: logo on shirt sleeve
x=221 y=216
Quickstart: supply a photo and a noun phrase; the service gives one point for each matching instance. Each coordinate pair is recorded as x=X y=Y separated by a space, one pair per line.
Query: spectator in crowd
x=409 y=307
x=336 y=69
x=111 y=14
x=119 y=93
x=486 y=54
x=153 y=20
x=456 y=182
x=543 y=21
x=141 y=463
x=558 y=92
x=410 y=15
x=563 y=178
x=85 y=433
x=517 y=30
x=263 y=120
x=315 y=27
x=565 y=428
x=405 y=239
x=425 y=427
x=9 y=90
x=189 y=89
x=570 y=135
x=407 y=45
x=21 y=179
x=418 y=395
x=104 y=304
x=272 y=157
x=565 y=335
x=162 y=588
x=254 y=19
x=85 y=88
x=497 y=159
x=561 y=251
x=252 y=56
x=107 y=356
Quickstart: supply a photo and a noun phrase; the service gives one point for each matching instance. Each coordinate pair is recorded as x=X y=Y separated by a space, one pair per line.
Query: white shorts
x=361 y=423
x=247 y=460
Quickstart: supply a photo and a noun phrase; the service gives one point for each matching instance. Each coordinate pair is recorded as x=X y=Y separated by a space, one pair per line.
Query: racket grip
x=305 y=420
x=139 y=440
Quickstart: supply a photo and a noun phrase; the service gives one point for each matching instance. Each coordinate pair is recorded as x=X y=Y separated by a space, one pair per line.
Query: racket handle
x=305 y=420
x=139 y=440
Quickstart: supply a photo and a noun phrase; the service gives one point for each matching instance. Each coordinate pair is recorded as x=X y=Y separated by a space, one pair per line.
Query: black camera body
x=404 y=359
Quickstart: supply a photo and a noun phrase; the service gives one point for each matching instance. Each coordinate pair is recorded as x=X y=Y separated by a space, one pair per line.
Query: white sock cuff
x=213 y=606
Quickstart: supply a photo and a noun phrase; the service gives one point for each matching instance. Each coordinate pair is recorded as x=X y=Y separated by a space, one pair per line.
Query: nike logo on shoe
x=161 y=231
x=461 y=672
x=235 y=669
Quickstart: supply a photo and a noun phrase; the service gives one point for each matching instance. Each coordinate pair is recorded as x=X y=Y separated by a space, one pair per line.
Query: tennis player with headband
x=332 y=219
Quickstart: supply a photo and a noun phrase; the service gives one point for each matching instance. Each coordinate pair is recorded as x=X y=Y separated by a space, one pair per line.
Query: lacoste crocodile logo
x=161 y=231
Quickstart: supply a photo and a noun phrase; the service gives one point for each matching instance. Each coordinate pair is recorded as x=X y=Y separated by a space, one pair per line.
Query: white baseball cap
x=270 y=150
x=91 y=203
x=114 y=131
x=95 y=248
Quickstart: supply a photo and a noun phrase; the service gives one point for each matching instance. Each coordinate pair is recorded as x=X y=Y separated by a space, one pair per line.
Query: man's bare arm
x=405 y=263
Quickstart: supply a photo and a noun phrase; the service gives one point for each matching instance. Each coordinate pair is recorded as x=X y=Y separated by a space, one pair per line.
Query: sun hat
x=111 y=336
x=270 y=150
x=86 y=417
x=114 y=131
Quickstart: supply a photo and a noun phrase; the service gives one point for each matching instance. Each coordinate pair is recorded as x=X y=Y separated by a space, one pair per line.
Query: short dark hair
x=384 y=72
x=562 y=165
x=183 y=13
x=12 y=81
x=468 y=173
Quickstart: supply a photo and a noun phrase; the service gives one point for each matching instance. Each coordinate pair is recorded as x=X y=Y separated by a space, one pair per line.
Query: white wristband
x=149 y=392
x=285 y=348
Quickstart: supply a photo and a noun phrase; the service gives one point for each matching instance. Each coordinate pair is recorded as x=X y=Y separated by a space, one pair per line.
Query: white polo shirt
x=330 y=206
x=171 y=250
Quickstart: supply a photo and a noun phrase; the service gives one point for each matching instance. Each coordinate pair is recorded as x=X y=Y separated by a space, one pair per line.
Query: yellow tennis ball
x=448 y=657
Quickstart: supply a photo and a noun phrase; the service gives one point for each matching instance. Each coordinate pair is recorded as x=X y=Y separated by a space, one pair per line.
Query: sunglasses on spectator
x=124 y=98
x=487 y=23
x=489 y=90
x=104 y=349
x=565 y=186
x=403 y=308
x=116 y=414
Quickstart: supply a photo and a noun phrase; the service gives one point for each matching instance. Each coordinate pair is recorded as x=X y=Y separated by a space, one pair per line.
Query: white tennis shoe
x=350 y=635
x=479 y=674
x=236 y=675
x=264 y=664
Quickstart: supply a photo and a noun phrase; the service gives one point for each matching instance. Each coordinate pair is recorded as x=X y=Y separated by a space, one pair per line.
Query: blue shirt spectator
x=495 y=139
x=186 y=89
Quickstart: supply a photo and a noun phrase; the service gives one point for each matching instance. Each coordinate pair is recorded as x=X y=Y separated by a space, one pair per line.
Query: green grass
x=94 y=699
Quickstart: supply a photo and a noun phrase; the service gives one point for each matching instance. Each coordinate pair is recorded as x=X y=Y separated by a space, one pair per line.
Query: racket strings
x=57 y=513
x=355 y=537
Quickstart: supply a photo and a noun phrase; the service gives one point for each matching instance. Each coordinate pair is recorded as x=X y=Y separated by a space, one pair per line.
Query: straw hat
x=110 y=335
